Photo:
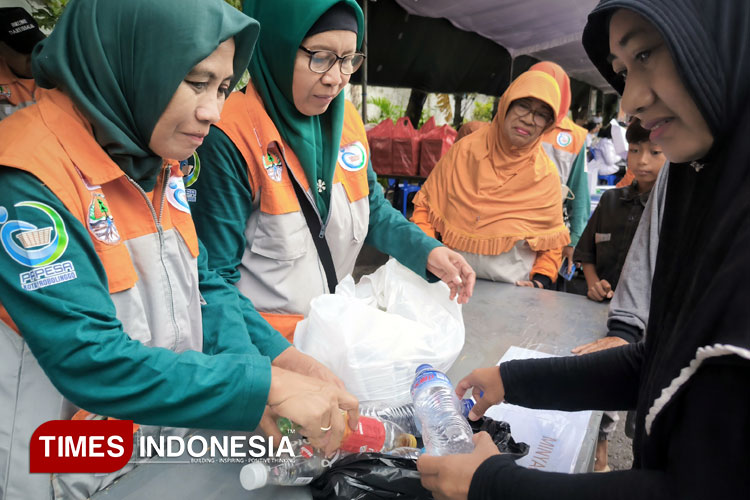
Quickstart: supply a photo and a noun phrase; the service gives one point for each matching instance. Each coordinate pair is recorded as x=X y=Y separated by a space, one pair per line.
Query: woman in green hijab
x=107 y=306
x=286 y=195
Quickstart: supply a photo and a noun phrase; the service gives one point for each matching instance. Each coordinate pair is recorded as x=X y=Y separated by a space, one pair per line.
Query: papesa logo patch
x=564 y=139
x=37 y=247
x=176 y=194
x=353 y=157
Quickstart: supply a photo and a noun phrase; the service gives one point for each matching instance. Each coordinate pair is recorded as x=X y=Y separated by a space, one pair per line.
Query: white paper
x=554 y=437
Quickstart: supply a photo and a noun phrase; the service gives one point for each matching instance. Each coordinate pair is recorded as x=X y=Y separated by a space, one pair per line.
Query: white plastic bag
x=554 y=437
x=373 y=335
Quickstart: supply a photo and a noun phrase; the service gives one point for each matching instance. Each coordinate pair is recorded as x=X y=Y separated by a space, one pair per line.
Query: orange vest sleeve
x=420 y=217
x=547 y=263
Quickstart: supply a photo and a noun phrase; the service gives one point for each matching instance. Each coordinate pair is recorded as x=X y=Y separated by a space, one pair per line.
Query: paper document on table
x=554 y=437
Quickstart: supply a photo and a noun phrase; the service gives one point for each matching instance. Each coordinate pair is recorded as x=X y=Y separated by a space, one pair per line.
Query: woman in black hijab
x=682 y=68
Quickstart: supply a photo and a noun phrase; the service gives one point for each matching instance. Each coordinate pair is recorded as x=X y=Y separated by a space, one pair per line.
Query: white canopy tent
x=544 y=29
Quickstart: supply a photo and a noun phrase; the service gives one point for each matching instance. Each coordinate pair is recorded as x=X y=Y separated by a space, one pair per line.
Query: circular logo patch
x=564 y=139
x=191 y=169
x=353 y=156
x=176 y=194
x=38 y=246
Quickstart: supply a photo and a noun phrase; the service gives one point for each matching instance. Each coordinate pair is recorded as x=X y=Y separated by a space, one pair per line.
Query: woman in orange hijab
x=495 y=196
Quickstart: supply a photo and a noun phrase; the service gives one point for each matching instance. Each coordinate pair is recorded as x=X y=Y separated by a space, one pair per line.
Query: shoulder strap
x=318 y=236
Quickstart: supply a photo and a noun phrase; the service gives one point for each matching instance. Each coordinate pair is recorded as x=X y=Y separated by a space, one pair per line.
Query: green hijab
x=121 y=61
x=314 y=139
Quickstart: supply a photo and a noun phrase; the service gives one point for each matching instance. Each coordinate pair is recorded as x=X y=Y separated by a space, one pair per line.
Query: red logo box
x=92 y=446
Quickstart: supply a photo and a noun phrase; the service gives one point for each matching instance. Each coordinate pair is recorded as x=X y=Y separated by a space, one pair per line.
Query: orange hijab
x=563 y=84
x=485 y=195
x=469 y=128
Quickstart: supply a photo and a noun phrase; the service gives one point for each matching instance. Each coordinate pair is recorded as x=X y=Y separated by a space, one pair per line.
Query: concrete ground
x=620 y=452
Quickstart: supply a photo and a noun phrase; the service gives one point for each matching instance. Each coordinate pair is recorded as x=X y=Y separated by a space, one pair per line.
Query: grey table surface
x=498 y=316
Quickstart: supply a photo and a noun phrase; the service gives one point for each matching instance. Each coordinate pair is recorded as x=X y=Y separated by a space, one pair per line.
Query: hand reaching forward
x=482 y=380
x=316 y=406
x=453 y=270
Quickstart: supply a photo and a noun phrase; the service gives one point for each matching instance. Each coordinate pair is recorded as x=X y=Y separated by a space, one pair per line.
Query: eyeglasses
x=323 y=60
x=541 y=117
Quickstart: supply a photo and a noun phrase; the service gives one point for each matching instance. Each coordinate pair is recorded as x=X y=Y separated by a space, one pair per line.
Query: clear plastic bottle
x=406 y=452
x=371 y=435
x=403 y=415
x=376 y=435
x=302 y=469
x=445 y=431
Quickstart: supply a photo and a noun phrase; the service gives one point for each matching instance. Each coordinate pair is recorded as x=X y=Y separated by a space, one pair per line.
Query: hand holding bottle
x=314 y=405
x=487 y=382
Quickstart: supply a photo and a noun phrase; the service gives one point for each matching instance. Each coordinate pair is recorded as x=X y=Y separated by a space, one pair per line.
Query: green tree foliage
x=387 y=109
x=483 y=111
x=49 y=13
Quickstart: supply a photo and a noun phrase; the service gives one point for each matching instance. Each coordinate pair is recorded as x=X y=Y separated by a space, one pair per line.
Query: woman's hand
x=449 y=477
x=482 y=380
x=453 y=270
x=316 y=406
x=599 y=345
x=293 y=360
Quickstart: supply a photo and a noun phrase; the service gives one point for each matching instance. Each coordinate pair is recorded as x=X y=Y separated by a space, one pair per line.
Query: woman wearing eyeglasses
x=289 y=159
x=495 y=196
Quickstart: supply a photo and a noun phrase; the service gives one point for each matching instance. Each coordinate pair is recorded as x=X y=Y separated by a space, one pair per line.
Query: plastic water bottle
x=406 y=452
x=308 y=463
x=403 y=415
x=445 y=431
x=372 y=434
x=375 y=435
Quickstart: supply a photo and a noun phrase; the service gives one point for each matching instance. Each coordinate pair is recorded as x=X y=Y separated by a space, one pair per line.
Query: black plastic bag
x=500 y=432
x=371 y=476
x=366 y=476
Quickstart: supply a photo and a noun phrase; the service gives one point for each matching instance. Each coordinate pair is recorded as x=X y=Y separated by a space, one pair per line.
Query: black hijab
x=700 y=301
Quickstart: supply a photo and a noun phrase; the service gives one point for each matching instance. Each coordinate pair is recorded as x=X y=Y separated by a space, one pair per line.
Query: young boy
x=605 y=242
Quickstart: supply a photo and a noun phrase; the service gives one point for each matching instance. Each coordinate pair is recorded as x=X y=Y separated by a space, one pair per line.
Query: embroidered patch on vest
x=100 y=221
x=564 y=139
x=353 y=157
x=39 y=248
x=4 y=93
x=191 y=169
x=272 y=164
x=176 y=194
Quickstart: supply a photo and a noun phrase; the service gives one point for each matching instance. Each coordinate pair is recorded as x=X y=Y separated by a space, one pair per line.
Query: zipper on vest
x=323 y=225
x=160 y=232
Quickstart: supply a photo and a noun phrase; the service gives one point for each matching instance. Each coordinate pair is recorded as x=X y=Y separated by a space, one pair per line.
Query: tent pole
x=364 y=66
x=510 y=80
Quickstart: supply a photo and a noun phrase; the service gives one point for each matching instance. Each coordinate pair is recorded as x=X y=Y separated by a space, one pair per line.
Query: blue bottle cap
x=423 y=367
x=466 y=406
